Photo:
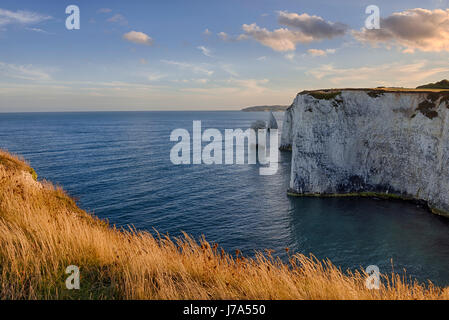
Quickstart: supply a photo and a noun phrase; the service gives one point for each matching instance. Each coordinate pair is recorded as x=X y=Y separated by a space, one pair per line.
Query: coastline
x=43 y=231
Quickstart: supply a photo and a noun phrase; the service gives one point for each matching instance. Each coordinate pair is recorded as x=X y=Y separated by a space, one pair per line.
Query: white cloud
x=138 y=37
x=202 y=80
x=23 y=72
x=155 y=76
x=205 y=51
x=190 y=66
x=226 y=37
x=21 y=17
x=37 y=30
x=413 y=29
x=320 y=53
x=290 y=56
x=197 y=81
x=118 y=18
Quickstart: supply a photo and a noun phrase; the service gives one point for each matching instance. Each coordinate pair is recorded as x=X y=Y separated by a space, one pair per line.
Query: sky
x=211 y=55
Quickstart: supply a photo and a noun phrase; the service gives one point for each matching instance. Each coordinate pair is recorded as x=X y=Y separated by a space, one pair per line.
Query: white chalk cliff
x=370 y=142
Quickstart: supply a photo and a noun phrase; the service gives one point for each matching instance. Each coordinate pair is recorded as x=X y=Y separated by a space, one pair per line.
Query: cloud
x=290 y=56
x=155 y=76
x=104 y=10
x=37 y=30
x=21 y=17
x=320 y=53
x=229 y=69
x=301 y=29
x=118 y=18
x=279 y=40
x=201 y=80
x=413 y=29
x=313 y=26
x=223 y=35
x=231 y=87
x=262 y=58
x=205 y=51
x=196 y=81
x=190 y=66
x=138 y=37
x=23 y=72
x=254 y=85
x=395 y=74
x=207 y=32
x=226 y=37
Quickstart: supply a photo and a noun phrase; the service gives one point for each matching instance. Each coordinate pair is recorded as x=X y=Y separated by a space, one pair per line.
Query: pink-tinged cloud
x=413 y=29
x=279 y=40
x=138 y=38
x=302 y=28
x=320 y=53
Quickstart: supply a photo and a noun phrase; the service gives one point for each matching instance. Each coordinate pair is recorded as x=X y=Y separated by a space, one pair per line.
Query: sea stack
x=272 y=123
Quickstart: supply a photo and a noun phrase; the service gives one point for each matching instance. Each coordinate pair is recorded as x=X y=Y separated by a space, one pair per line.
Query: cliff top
x=381 y=89
x=328 y=94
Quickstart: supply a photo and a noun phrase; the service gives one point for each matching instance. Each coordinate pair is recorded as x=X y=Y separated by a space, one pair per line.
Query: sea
x=118 y=167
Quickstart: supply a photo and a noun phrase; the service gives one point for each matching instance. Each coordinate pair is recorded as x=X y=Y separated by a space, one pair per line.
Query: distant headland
x=443 y=84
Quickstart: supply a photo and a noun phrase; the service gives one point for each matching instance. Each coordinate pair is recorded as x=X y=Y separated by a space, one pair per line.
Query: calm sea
x=117 y=165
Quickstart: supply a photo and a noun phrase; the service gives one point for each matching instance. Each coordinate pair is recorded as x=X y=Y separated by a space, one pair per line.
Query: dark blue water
x=118 y=166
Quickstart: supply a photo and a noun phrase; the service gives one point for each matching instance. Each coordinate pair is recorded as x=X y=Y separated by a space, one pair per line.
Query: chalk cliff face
x=370 y=142
x=287 y=129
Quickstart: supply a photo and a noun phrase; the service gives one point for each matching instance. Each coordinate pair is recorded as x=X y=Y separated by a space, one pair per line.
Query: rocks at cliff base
x=359 y=142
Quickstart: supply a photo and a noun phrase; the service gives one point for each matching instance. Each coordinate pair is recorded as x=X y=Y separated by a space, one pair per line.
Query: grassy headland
x=42 y=231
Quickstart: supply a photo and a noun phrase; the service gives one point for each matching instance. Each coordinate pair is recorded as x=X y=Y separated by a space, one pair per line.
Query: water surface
x=117 y=165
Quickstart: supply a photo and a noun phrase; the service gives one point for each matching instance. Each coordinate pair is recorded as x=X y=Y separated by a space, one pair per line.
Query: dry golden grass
x=42 y=231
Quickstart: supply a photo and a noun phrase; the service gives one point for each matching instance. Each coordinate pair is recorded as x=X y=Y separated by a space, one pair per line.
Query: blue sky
x=199 y=55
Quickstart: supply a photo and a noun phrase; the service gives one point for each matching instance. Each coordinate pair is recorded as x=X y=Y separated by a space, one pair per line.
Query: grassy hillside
x=42 y=231
x=443 y=84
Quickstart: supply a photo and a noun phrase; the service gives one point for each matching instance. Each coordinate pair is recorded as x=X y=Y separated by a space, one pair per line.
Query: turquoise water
x=117 y=165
